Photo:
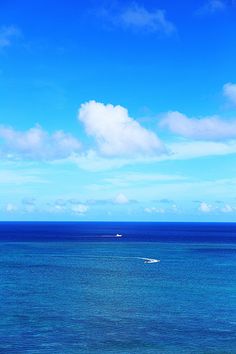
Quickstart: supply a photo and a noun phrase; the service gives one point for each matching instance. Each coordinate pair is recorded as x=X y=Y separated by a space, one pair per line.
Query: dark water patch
x=131 y=231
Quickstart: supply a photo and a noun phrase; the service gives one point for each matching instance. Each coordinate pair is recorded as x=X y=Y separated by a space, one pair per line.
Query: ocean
x=76 y=288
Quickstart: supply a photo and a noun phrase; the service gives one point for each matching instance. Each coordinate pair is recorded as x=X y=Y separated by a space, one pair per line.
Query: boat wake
x=146 y=260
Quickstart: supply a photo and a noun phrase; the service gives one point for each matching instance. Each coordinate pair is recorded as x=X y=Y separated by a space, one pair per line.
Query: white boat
x=119 y=235
x=151 y=260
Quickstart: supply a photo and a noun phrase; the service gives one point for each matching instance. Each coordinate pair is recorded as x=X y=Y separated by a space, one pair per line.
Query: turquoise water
x=99 y=297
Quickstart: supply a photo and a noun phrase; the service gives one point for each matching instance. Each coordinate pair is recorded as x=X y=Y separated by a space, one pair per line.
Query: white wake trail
x=146 y=260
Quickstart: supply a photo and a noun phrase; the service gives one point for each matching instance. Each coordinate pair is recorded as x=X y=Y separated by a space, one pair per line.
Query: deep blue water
x=77 y=289
x=105 y=231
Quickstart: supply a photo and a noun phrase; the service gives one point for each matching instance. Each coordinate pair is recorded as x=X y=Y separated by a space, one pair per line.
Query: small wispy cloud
x=151 y=210
x=212 y=7
x=65 y=206
x=165 y=201
x=171 y=209
x=10 y=208
x=121 y=199
x=79 y=209
x=185 y=150
x=29 y=205
x=128 y=179
x=20 y=177
x=8 y=34
x=229 y=91
x=205 y=207
x=227 y=208
x=138 y=18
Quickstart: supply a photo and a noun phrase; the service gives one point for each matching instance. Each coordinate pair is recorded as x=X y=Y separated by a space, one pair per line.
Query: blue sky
x=118 y=110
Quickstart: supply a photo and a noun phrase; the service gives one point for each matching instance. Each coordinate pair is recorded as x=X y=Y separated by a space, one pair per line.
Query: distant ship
x=119 y=235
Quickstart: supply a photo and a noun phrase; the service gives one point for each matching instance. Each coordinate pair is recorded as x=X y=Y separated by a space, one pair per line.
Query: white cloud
x=137 y=17
x=116 y=133
x=7 y=33
x=121 y=199
x=171 y=209
x=61 y=206
x=36 y=143
x=205 y=207
x=57 y=209
x=174 y=208
x=154 y=210
x=229 y=91
x=79 y=209
x=10 y=208
x=208 y=208
x=227 y=208
x=209 y=128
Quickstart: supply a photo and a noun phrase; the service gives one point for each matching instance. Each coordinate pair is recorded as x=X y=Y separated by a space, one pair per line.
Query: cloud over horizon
x=205 y=207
